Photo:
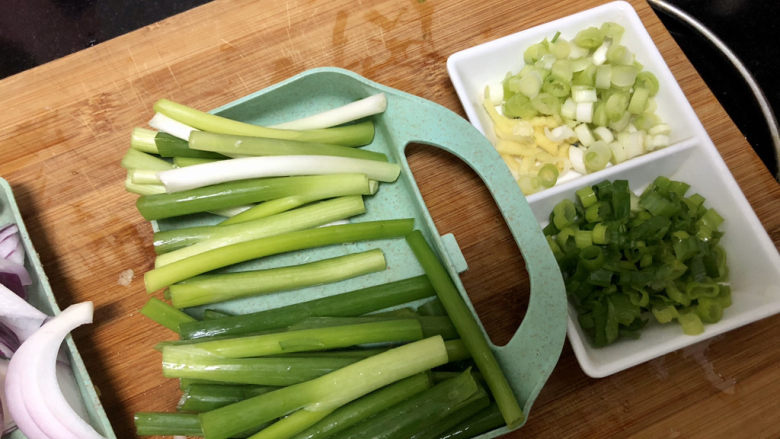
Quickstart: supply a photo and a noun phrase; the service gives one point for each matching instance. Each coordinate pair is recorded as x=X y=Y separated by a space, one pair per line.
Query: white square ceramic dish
x=754 y=263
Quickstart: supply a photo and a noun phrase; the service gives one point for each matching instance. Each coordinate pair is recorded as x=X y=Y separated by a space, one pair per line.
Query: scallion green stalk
x=332 y=337
x=468 y=329
x=181 y=362
x=352 y=135
x=262 y=146
x=328 y=391
x=165 y=314
x=200 y=397
x=135 y=159
x=432 y=307
x=166 y=145
x=473 y=405
x=353 y=303
x=404 y=419
x=167 y=424
x=271 y=207
x=298 y=240
x=366 y=407
x=169 y=240
x=482 y=422
x=431 y=325
x=292 y=424
x=283 y=204
x=237 y=193
x=206 y=289
x=201 y=239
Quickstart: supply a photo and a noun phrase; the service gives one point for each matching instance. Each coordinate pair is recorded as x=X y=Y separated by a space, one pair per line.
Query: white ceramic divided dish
x=472 y=69
x=754 y=262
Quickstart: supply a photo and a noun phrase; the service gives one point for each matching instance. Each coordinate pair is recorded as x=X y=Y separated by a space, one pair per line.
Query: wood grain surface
x=65 y=125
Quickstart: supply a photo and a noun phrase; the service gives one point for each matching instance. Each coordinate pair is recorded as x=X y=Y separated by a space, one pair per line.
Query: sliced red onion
x=8 y=230
x=70 y=387
x=8 y=243
x=8 y=266
x=17 y=255
x=34 y=397
x=6 y=350
x=13 y=283
x=12 y=253
x=18 y=315
x=9 y=342
x=11 y=246
x=6 y=423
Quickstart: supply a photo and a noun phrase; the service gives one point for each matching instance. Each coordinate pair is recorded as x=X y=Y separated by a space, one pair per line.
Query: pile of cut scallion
x=577 y=105
x=405 y=359
x=624 y=257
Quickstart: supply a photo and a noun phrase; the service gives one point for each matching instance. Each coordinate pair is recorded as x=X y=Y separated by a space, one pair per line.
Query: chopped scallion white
x=584 y=112
x=584 y=134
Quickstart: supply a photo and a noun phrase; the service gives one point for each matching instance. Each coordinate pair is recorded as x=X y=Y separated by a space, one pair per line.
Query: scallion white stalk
x=143 y=189
x=136 y=159
x=143 y=176
x=171 y=126
x=191 y=177
x=369 y=106
x=142 y=139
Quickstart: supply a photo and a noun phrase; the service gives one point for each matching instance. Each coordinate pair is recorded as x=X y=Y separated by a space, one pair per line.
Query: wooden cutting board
x=66 y=124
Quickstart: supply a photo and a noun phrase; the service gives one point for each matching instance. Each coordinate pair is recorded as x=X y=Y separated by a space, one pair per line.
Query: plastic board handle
x=532 y=352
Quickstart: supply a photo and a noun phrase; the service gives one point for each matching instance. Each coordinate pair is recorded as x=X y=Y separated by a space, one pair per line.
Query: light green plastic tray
x=40 y=295
x=529 y=357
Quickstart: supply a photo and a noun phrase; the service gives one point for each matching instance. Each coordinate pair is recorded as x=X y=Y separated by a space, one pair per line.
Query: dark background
x=33 y=32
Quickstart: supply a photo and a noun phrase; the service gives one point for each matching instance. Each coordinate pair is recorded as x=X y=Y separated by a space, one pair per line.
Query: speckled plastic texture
x=531 y=354
x=41 y=296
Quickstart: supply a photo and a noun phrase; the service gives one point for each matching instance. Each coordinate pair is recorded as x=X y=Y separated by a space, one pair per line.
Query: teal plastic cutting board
x=531 y=354
x=42 y=297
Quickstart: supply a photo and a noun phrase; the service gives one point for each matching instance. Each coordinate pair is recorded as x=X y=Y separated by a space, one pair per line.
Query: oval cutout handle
x=532 y=352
